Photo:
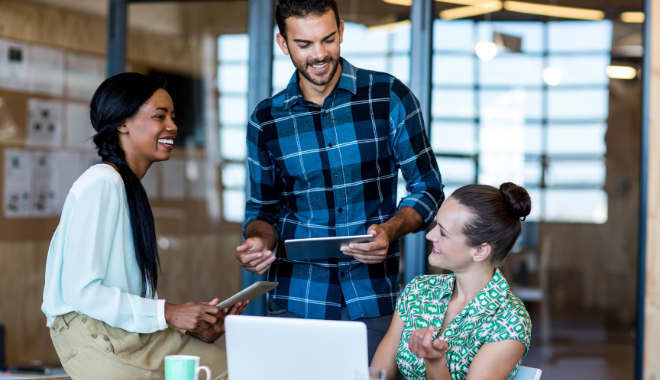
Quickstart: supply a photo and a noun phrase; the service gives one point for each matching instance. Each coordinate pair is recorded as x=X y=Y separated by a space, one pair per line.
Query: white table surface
x=57 y=372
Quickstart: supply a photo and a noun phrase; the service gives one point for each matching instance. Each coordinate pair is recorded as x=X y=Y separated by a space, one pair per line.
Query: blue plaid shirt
x=332 y=171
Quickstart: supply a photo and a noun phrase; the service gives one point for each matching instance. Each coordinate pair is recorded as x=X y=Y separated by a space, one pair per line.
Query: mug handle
x=206 y=369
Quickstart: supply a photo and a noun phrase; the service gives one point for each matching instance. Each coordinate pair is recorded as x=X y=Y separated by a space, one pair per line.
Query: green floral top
x=494 y=315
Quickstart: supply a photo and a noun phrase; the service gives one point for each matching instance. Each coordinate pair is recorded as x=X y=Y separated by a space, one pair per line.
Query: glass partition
x=544 y=112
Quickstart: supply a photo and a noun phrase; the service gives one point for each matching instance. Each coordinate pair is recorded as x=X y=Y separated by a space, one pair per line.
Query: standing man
x=324 y=156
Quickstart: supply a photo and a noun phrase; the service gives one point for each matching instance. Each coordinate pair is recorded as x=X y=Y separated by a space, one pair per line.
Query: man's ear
x=281 y=42
x=341 y=31
x=122 y=129
x=482 y=253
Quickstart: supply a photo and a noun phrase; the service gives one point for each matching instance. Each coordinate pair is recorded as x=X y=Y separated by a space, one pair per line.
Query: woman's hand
x=421 y=345
x=191 y=316
x=432 y=351
x=217 y=329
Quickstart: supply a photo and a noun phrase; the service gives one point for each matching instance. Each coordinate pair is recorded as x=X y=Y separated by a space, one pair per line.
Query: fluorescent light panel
x=399 y=2
x=476 y=7
x=621 y=72
x=389 y=27
x=473 y=10
x=633 y=17
x=464 y=2
x=553 y=10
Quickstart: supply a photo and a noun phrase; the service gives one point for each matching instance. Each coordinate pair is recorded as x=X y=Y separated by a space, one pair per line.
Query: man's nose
x=320 y=52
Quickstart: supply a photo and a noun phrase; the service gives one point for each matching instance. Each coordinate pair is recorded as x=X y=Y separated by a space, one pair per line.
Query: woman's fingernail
x=351 y=246
x=258 y=255
x=272 y=258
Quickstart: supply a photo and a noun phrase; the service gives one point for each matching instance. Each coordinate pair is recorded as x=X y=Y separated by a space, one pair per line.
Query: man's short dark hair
x=302 y=9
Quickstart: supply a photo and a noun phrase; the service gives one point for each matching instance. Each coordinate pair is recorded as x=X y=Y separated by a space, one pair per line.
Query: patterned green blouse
x=494 y=315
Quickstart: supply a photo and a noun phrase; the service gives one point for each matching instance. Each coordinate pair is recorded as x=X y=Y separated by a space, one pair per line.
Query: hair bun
x=517 y=199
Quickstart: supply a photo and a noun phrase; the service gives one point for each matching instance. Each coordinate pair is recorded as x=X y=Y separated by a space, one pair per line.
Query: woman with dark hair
x=468 y=324
x=100 y=299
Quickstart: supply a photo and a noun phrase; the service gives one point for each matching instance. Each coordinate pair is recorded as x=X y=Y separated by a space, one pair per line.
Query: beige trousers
x=90 y=349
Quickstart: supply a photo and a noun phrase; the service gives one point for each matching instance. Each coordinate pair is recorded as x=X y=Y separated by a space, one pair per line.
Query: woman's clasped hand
x=202 y=320
x=423 y=345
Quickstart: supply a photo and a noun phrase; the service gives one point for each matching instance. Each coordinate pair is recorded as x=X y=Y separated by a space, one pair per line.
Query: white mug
x=184 y=367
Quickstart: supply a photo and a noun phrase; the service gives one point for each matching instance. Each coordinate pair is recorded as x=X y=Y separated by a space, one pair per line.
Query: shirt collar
x=347 y=81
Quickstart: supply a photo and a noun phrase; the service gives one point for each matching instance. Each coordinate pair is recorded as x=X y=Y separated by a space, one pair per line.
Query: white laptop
x=266 y=348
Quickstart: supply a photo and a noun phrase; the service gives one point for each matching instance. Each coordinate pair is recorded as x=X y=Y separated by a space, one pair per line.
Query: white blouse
x=91 y=266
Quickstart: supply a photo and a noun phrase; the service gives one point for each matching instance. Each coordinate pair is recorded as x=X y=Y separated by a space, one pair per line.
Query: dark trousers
x=376 y=327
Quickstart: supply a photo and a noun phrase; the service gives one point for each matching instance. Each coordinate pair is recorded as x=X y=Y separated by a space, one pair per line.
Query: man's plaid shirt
x=332 y=171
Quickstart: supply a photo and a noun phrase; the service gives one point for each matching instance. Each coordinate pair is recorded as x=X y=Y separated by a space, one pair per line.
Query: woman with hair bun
x=100 y=300
x=468 y=324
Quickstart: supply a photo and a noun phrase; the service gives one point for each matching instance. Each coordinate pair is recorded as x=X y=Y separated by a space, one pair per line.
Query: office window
x=505 y=120
x=233 y=51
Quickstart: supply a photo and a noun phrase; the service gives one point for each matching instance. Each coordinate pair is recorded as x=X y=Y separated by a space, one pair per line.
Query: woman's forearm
x=436 y=369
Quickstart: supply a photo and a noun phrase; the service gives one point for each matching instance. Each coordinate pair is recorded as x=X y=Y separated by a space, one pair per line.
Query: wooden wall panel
x=652 y=298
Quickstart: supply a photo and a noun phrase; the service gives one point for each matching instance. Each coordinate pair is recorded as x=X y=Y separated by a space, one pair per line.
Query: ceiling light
x=399 y=2
x=473 y=10
x=621 y=72
x=552 y=76
x=632 y=17
x=464 y=2
x=389 y=28
x=486 y=50
x=553 y=10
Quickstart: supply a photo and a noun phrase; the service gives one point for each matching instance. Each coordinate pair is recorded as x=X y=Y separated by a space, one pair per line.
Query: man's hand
x=254 y=255
x=374 y=252
x=217 y=329
x=421 y=345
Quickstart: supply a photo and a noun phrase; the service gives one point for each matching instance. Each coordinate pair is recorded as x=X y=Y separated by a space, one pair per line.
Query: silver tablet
x=251 y=293
x=322 y=248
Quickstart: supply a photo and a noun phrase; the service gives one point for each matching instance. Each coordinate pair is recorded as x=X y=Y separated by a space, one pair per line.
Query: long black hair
x=117 y=99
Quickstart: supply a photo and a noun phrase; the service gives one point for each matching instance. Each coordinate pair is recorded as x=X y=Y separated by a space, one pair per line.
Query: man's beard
x=319 y=81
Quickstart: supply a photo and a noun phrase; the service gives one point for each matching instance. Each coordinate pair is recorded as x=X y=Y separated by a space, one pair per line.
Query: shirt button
x=84 y=319
x=56 y=326
x=325 y=113
x=336 y=176
x=340 y=210
x=343 y=274
x=330 y=145
x=108 y=349
x=94 y=336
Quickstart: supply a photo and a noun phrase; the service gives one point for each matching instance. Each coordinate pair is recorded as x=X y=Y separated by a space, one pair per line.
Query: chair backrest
x=528 y=373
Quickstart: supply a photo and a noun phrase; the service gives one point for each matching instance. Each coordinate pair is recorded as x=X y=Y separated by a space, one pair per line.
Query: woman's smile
x=436 y=251
x=166 y=142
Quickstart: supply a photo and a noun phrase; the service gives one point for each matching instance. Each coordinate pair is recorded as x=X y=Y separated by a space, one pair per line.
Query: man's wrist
x=390 y=230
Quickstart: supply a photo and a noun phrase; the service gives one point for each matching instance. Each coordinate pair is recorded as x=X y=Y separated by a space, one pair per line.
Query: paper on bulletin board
x=69 y=166
x=150 y=180
x=79 y=130
x=84 y=74
x=17 y=180
x=45 y=199
x=173 y=178
x=44 y=123
x=13 y=65
x=46 y=71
